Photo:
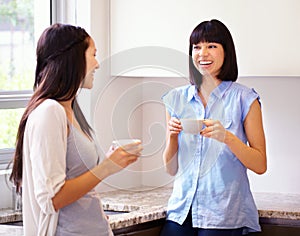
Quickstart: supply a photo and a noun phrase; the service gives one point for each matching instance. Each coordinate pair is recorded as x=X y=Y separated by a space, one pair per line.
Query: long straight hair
x=60 y=70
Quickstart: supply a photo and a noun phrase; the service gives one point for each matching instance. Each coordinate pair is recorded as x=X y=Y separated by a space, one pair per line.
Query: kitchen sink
x=115 y=209
x=112 y=212
x=16 y=223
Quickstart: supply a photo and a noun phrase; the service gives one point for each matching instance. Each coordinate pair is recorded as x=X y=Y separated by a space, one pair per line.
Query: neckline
x=72 y=127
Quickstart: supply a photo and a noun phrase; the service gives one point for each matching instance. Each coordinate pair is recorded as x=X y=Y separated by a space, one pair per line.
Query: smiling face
x=208 y=58
x=91 y=65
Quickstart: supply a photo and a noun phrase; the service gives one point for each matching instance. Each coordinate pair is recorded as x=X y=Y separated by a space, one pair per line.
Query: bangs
x=214 y=31
x=206 y=32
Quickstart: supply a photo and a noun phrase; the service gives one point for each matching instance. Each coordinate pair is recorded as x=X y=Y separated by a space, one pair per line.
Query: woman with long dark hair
x=56 y=162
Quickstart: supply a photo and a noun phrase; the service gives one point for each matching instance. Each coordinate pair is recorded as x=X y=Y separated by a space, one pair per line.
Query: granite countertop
x=143 y=204
x=281 y=206
x=151 y=204
x=140 y=205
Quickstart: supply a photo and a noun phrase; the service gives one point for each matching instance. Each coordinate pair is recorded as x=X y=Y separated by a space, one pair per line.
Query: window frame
x=14 y=99
x=63 y=11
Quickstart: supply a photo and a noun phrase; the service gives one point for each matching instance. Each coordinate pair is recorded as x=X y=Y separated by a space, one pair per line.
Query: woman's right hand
x=174 y=126
x=116 y=160
x=170 y=153
x=120 y=157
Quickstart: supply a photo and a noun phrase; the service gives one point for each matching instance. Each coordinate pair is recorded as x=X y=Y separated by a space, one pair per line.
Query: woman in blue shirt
x=211 y=193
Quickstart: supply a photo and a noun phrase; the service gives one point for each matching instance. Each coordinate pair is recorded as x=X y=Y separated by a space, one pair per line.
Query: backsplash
x=5 y=193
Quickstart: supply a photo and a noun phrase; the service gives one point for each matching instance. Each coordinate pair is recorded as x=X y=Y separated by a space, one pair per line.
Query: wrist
x=228 y=138
x=100 y=171
x=173 y=136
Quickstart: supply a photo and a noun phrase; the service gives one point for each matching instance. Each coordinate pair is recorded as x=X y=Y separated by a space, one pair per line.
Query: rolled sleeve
x=169 y=99
x=249 y=96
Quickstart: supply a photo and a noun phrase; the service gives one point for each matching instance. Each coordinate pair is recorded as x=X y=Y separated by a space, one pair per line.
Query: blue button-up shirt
x=211 y=181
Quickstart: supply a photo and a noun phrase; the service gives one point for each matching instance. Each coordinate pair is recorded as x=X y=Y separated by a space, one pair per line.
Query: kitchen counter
x=8 y=215
x=142 y=205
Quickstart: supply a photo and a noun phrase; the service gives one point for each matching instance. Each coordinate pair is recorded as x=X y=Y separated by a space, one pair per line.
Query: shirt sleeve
x=249 y=96
x=169 y=99
x=47 y=133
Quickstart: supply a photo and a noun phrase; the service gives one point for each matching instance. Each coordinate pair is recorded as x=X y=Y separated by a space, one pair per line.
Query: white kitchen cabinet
x=266 y=33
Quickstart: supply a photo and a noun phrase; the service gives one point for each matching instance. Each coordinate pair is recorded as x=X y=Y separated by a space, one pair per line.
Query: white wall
x=117 y=116
x=154 y=129
x=281 y=113
x=111 y=112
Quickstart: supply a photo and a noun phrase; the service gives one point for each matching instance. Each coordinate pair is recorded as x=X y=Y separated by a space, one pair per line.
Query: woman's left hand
x=214 y=129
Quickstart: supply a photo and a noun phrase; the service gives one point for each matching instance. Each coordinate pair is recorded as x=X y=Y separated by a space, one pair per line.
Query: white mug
x=129 y=145
x=191 y=126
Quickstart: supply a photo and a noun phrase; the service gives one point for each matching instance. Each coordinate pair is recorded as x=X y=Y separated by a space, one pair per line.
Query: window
x=21 y=23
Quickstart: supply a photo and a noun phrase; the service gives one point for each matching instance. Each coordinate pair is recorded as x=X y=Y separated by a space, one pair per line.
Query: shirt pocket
x=227 y=122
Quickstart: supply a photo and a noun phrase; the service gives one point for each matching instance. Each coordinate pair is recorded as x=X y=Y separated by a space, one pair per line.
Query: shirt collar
x=221 y=89
x=218 y=91
x=191 y=93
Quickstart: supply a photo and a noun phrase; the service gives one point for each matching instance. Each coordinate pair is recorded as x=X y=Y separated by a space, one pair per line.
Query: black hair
x=214 y=31
x=60 y=70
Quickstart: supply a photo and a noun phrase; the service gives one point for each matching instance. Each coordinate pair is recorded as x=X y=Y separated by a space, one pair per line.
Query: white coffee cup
x=129 y=145
x=191 y=126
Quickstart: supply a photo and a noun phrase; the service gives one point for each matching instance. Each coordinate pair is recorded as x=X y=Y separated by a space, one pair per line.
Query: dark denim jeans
x=186 y=229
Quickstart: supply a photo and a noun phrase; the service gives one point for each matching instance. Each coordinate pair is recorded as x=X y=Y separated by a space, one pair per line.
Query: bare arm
x=170 y=152
x=252 y=156
x=75 y=188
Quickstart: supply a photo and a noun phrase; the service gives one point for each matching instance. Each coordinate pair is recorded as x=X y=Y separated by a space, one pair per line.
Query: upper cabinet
x=151 y=38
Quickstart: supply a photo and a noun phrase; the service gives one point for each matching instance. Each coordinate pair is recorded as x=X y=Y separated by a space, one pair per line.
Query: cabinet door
x=151 y=228
x=278 y=230
x=265 y=27
x=155 y=231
